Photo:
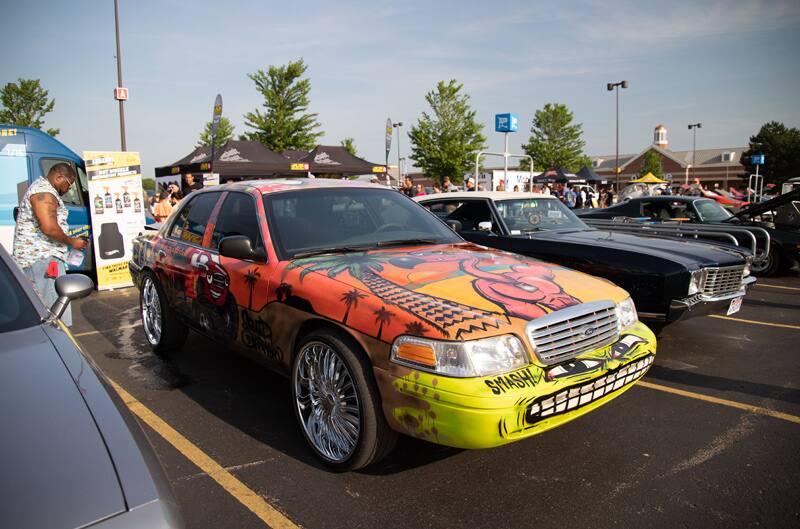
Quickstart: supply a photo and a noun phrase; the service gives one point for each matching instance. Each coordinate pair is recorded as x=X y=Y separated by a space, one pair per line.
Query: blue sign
x=757 y=159
x=506 y=122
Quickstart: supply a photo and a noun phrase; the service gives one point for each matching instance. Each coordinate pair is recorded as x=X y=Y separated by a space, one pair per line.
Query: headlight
x=748 y=263
x=474 y=358
x=626 y=314
x=698 y=281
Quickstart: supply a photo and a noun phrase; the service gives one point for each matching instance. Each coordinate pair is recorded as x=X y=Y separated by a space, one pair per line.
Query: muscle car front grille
x=721 y=281
x=569 y=332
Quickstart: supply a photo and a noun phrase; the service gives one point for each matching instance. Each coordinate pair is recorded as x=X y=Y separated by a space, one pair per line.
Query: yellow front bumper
x=496 y=410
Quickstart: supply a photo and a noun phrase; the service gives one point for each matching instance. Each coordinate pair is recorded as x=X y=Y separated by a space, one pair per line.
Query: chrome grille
x=566 y=333
x=721 y=281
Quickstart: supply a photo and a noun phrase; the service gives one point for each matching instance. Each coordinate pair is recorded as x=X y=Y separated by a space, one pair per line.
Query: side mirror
x=486 y=225
x=454 y=225
x=240 y=247
x=69 y=287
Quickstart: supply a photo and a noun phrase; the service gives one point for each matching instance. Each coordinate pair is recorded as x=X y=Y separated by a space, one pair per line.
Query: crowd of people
x=575 y=196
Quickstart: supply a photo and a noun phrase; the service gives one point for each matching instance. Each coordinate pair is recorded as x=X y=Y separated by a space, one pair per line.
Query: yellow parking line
x=723 y=402
x=776 y=286
x=754 y=322
x=87 y=333
x=245 y=495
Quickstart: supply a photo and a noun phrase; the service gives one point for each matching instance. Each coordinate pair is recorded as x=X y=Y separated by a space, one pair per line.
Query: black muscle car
x=779 y=217
x=668 y=279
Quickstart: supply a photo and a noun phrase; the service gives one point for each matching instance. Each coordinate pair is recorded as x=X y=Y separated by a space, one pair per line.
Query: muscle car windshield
x=534 y=214
x=711 y=211
x=304 y=221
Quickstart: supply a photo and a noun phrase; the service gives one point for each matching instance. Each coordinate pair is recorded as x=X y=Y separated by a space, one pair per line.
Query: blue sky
x=731 y=65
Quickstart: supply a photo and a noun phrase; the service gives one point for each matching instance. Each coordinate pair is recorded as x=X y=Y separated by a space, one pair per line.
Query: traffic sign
x=506 y=122
x=757 y=159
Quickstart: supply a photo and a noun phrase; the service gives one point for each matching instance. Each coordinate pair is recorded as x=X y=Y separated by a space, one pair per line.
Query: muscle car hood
x=56 y=468
x=689 y=254
x=459 y=290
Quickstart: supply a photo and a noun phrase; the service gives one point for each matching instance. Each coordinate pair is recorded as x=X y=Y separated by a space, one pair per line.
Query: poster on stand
x=117 y=204
x=210 y=179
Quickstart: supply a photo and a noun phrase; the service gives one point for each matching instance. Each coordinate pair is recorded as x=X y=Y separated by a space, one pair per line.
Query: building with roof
x=713 y=167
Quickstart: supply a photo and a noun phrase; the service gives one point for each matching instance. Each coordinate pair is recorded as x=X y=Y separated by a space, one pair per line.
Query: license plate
x=735 y=305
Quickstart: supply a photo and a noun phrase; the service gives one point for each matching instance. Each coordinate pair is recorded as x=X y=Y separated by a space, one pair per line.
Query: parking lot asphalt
x=710 y=439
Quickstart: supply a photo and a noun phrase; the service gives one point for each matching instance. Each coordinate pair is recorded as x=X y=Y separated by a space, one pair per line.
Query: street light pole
x=119 y=78
x=693 y=127
x=397 y=126
x=616 y=87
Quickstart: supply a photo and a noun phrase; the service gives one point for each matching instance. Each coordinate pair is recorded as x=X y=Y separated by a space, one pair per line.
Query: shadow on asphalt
x=236 y=389
x=724 y=384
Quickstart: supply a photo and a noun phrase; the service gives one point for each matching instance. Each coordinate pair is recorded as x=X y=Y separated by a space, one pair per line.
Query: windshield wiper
x=332 y=249
x=401 y=242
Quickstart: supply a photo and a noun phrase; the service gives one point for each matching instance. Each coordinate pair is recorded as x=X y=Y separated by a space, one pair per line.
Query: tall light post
x=610 y=87
x=397 y=126
x=693 y=127
x=119 y=81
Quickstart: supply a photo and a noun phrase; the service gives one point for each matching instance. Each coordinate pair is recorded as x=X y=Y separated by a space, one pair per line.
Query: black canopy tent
x=236 y=159
x=588 y=174
x=334 y=160
x=557 y=175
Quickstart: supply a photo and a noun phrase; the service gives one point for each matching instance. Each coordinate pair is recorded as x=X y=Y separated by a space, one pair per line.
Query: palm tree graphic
x=415 y=328
x=448 y=317
x=350 y=299
x=382 y=316
x=251 y=278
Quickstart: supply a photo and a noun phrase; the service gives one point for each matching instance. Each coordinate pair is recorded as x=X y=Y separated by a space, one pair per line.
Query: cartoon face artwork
x=526 y=292
x=215 y=278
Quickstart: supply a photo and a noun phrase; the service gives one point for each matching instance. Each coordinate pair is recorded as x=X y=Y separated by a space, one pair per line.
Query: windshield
x=711 y=211
x=533 y=214
x=349 y=218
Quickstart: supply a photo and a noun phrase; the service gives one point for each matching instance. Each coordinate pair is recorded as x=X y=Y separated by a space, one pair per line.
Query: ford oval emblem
x=587 y=331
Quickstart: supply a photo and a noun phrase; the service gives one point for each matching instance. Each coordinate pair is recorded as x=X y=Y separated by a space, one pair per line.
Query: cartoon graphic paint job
x=385 y=320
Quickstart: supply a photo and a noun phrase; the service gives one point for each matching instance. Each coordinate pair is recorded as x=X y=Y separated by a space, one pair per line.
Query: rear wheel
x=163 y=330
x=336 y=402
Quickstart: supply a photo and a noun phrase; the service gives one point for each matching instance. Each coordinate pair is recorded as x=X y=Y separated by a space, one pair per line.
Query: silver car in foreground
x=71 y=453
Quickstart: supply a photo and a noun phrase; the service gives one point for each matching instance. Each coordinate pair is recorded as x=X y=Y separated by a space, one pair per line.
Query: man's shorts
x=43 y=274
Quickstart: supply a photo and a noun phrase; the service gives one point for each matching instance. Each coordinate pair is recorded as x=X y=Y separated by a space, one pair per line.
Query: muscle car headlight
x=748 y=263
x=626 y=314
x=698 y=281
x=473 y=358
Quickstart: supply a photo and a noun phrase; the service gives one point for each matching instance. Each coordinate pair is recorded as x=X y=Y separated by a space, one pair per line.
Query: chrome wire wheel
x=151 y=311
x=327 y=402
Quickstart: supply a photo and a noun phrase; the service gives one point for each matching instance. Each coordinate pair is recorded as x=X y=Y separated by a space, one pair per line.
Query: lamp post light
x=610 y=87
x=693 y=127
x=397 y=126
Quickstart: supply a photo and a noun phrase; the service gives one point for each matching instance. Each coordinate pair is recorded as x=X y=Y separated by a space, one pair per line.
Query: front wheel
x=769 y=266
x=336 y=402
x=163 y=330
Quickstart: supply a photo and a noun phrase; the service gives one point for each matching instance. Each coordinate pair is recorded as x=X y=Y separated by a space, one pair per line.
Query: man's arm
x=45 y=208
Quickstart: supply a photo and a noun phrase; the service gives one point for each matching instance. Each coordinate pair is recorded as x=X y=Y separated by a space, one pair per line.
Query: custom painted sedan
x=668 y=279
x=385 y=320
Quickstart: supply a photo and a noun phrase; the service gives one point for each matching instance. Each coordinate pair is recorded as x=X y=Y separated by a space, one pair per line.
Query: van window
x=73 y=197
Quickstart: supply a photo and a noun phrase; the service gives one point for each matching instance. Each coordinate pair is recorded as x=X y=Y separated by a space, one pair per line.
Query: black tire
x=375 y=438
x=772 y=265
x=172 y=333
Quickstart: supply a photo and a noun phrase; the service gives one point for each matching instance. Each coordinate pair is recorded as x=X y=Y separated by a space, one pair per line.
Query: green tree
x=446 y=142
x=556 y=140
x=25 y=104
x=224 y=134
x=349 y=145
x=780 y=146
x=652 y=164
x=285 y=122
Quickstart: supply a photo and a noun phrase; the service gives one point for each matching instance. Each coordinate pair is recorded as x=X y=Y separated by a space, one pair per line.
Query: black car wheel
x=336 y=402
x=163 y=330
x=769 y=266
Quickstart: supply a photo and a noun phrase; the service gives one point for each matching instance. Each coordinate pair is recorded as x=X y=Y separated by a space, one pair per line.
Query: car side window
x=190 y=224
x=470 y=214
x=238 y=216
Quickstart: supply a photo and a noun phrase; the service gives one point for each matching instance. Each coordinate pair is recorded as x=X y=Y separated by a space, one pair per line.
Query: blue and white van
x=25 y=155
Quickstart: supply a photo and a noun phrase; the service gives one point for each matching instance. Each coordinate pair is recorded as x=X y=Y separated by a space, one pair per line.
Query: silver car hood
x=57 y=471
